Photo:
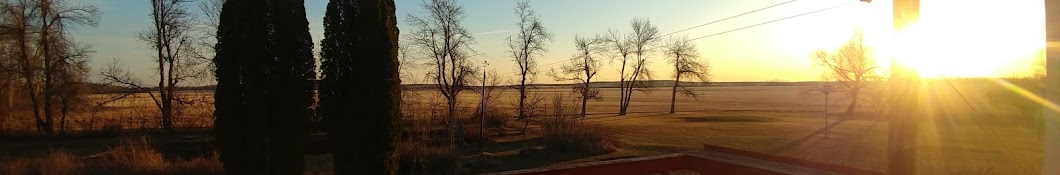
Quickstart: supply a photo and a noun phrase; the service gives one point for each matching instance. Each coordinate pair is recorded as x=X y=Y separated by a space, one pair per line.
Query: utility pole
x=826 y=90
x=904 y=89
x=482 y=111
x=1050 y=120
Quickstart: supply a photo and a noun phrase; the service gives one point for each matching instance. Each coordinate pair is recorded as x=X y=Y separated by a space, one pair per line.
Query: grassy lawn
x=980 y=136
x=969 y=127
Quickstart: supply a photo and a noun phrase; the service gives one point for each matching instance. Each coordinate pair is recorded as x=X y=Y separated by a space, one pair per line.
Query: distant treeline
x=98 y=88
x=104 y=88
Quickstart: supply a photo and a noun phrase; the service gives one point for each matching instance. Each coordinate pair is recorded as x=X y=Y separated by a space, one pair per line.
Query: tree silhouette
x=851 y=66
x=525 y=45
x=170 y=37
x=681 y=53
x=633 y=51
x=582 y=68
x=360 y=91
x=48 y=62
x=264 y=86
x=444 y=40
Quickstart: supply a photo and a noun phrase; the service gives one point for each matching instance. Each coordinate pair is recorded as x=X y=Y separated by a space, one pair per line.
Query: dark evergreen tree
x=264 y=85
x=240 y=36
x=291 y=75
x=360 y=89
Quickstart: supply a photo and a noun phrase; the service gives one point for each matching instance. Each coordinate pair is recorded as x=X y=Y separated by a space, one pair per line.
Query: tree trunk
x=28 y=74
x=45 y=42
x=167 y=103
x=853 y=102
x=585 y=96
x=622 y=89
x=522 y=97
x=673 y=94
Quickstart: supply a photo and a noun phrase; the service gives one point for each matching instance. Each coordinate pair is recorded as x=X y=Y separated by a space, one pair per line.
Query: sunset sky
x=957 y=38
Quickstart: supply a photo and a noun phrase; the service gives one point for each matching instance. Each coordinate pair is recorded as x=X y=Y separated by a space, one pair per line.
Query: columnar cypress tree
x=335 y=80
x=264 y=85
x=360 y=89
x=291 y=73
x=239 y=34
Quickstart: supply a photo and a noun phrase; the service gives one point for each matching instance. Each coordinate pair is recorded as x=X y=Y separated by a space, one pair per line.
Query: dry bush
x=16 y=167
x=418 y=157
x=564 y=131
x=494 y=118
x=426 y=147
x=59 y=163
x=210 y=164
x=56 y=163
x=132 y=156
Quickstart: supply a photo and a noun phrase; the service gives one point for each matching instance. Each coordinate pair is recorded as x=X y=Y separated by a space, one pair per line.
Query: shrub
x=16 y=167
x=494 y=118
x=133 y=156
x=417 y=157
x=210 y=164
x=111 y=129
x=564 y=131
x=58 y=163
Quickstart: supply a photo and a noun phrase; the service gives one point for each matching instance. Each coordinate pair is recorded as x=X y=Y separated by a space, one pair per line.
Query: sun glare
x=957 y=42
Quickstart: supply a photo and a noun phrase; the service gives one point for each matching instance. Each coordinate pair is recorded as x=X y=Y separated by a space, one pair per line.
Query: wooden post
x=827 y=90
x=904 y=89
x=1051 y=130
x=482 y=115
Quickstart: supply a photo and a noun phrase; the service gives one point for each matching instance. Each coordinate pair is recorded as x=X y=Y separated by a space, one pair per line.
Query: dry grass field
x=968 y=127
x=133 y=112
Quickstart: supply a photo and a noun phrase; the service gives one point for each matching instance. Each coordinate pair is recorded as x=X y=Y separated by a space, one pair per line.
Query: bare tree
x=851 y=66
x=681 y=53
x=205 y=38
x=441 y=36
x=7 y=77
x=633 y=51
x=524 y=46
x=172 y=39
x=50 y=64
x=619 y=45
x=492 y=90
x=582 y=68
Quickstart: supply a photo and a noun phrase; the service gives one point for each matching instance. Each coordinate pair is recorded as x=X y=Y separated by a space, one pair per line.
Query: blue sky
x=777 y=51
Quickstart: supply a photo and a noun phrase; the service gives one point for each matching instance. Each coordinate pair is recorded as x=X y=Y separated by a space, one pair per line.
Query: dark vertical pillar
x=905 y=84
x=1051 y=120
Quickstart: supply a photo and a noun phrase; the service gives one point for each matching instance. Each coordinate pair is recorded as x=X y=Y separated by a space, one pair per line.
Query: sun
x=964 y=42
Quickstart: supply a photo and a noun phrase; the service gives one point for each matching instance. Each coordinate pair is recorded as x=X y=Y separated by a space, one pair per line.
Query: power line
x=727 y=18
x=745 y=27
x=772 y=21
x=705 y=24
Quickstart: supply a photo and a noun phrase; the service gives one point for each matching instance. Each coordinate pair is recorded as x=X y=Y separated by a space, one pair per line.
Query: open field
x=983 y=129
x=988 y=134
x=132 y=112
